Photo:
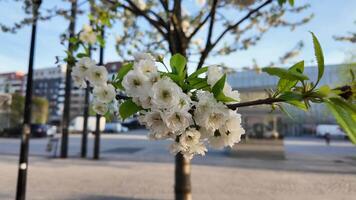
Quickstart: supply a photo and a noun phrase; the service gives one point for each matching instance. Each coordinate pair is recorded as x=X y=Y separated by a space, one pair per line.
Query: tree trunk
x=26 y=129
x=182 y=187
x=68 y=86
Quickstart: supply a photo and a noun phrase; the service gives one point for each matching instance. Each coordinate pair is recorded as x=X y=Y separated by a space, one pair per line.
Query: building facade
x=12 y=82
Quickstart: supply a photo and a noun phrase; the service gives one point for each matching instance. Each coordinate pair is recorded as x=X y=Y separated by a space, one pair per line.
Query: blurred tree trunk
x=68 y=86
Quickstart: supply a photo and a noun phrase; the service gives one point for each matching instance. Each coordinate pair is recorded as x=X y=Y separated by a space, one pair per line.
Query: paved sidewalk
x=134 y=168
x=104 y=180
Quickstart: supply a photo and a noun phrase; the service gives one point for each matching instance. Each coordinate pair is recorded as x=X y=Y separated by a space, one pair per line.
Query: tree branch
x=267 y=101
x=207 y=50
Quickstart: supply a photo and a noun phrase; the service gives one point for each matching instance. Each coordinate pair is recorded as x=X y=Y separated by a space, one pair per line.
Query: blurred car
x=114 y=127
x=332 y=130
x=132 y=123
x=76 y=125
x=39 y=130
x=51 y=130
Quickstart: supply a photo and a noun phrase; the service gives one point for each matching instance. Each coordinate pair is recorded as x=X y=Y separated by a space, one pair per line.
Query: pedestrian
x=327 y=139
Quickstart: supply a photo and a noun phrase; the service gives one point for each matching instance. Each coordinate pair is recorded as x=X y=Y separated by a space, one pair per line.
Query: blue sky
x=331 y=18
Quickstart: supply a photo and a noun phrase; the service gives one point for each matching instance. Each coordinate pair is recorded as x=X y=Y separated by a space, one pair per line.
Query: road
x=132 y=167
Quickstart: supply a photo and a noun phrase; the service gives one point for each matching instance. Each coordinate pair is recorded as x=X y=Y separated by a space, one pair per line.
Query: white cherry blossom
x=97 y=76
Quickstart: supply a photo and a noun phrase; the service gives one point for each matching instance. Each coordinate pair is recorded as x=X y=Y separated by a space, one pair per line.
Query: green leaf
x=178 y=63
x=198 y=72
x=128 y=108
x=174 y=77
x=125 y=68
x=299 y=104
x=281 y=2
x=287 y=85
x=344 y=104
x=223 y=98
x=291 y=2
x=290 y=96
x=219 y=86
x=82 y=55
x=319 y=57
x=345 y=117
x=285 y=74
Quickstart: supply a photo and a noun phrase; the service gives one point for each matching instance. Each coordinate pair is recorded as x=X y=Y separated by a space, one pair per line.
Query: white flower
x=144 y=102
x=177 y=120
x=184 y=103
x=209 y=113
x=83 y=65
x=88 y=35
x=214 y=74
x=146 y=67
x=105 y=93
x=185 y=26
x=229 y=134
x=154 y=121
x=189 y=137
x=100 y=107
x=136 y=84
x=97 y=76
x=189 y=144
x=234 y=94
x=78 y=79
x=143 y=56
x=165 y=93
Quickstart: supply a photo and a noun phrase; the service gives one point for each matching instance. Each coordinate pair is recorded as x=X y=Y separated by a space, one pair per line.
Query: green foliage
x=117 y=80
x=218 y=91
x=178 y=63
x=281 y=2
x=301 y=96
x=287 y=85
x=319 y=57
x=285 y=74
x=219 y=86
x=128 y=108
x=198 y=72
x=344 y=114
x=39 y=110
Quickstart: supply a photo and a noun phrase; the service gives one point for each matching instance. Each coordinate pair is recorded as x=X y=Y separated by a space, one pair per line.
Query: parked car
x=114 y=127
x=51 y=130
x=39 y=130
x=76 y=125
x=331 y=129
x=132 y=123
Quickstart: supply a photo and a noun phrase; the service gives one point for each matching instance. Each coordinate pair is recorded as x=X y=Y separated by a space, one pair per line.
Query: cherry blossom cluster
x=191 y=117
x=86 y=71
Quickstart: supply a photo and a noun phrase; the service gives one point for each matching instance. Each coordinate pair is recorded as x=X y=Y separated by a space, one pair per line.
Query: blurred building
x=259 y=121
x=12 y=82
x=50 y=84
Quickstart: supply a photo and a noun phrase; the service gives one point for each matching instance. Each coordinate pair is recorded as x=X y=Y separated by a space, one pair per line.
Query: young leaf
x=128 y=108
x=219 y=86
x=285 y=84
x=178 y=63
x=285 y=74
x=198 y=72
x=299 y=104
x=125 y=68
x=319 y=57
x=345 y=118
x=225 y=99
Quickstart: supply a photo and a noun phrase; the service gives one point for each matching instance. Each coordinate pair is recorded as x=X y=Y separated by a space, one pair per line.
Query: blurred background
x=301 y=153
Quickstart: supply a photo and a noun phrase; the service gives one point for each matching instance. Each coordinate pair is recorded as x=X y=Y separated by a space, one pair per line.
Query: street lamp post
x=96 y=154
x=26 y=129
x=68 y=84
